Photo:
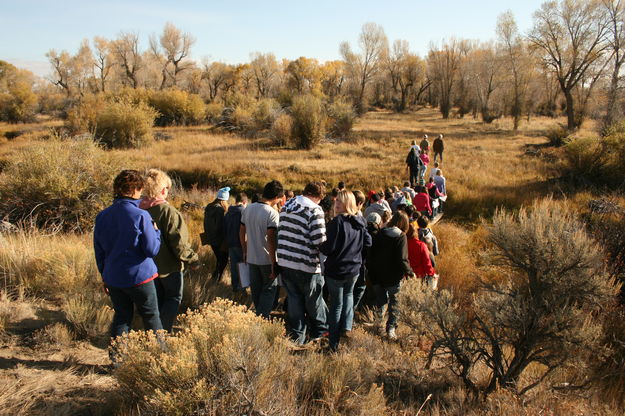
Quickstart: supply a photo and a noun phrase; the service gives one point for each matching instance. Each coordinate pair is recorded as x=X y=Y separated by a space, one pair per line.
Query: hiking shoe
x=391 y=334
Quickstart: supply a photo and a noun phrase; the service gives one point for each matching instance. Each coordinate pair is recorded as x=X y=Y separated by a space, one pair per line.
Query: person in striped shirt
x=301 y=231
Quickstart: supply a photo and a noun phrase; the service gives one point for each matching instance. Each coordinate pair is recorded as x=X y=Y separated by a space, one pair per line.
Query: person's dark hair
x=415 y=214
x=127 y=182
x=388 y=194
x=420 y=189
x=289 y=194
x=423 y=221
x=256 y=197
x=375 y=197
x=335 y=192
x=240 y=198
x=402 y=207
x=360 y=197
x=431 y=180
x=326 y=204
x=407 y=184
x=341 y=185
x=400 y=220
x=315 y=189
x=273 y=190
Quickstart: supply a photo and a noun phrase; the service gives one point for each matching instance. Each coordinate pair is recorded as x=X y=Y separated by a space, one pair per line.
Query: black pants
x=414 y=177
x=222 y=261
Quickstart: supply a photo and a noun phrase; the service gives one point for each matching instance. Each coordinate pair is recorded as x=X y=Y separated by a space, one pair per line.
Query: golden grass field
x=48 y=368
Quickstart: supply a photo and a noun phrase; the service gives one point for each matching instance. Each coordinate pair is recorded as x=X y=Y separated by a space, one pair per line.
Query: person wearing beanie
x=214 y=231
x=425 y=144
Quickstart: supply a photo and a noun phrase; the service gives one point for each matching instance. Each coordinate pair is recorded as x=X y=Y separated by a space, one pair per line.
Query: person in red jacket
x=418 y=254
x=421 y=201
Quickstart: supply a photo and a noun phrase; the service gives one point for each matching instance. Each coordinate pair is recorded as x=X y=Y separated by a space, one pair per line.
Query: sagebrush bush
x=586 y=157
x=122 y=124
x=341 y=119
x=213 y=112
x=177 y=108
x=309 y=121
x=228 y=361
x=544 y=314
x=83 y=116
x=282 y=130
x=58 y=183
x=557 y=135
x=19 y=104
x=265 y=112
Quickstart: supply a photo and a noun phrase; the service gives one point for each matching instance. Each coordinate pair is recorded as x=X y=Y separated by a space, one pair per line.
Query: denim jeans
x=236 y=257
x=341 y=306
x=169 y=293
x=221 y=261
x=124 y=301
x=263 y=289
x=359 y=291
x=305 y=304
x=388 y=295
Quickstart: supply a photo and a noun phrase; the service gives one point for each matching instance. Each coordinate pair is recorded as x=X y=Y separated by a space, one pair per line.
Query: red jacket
x=421 y=203
x=419 y=257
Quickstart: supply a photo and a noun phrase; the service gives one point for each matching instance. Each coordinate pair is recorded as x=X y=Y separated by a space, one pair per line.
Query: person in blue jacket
x=125 y=240
x=347 y=236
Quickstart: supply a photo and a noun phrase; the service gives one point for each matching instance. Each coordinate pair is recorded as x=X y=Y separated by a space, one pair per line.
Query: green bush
x=124 y=125
x=342 y=118
x=177 y=108
x=19 y=104
x=585 y=157
x=309 y=121
x=58 y=183
x=557 y=135
x=83 y=116
x=265 y=112
x=281 y=130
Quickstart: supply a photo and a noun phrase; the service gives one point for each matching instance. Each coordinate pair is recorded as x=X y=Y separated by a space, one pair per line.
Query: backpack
x=413 y=160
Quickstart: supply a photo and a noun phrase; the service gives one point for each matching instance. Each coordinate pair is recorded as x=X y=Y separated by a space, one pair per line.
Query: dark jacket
x=175 y=245
x=232 y=225
x=438 y=146
x=413 y=160
x=388 y=262
x=125 y=242
x=347 y=237
x=214 y=224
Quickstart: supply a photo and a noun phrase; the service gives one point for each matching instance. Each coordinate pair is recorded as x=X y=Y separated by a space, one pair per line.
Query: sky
x=228 y=31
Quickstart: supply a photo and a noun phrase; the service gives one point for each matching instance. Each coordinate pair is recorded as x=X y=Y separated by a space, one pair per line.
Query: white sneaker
x=391 y=334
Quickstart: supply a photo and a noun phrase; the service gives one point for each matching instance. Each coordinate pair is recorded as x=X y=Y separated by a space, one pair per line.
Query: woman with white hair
x=175 y=254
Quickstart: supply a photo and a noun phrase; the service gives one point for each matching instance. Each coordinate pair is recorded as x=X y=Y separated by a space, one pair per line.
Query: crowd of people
x=325 y=249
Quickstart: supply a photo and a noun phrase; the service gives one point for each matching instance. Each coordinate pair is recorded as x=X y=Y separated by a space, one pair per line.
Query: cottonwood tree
x=544 y=311
x=303 y=75
x=615 y=10
x=126 y=52
x=406 y=72
x=443 y=68
x=102 y=60
x=485 y=74
x=72 y=73
x=517 y=63
x=364 y=66
x=171 y=49
x=332 y=78
x=570 y=36
x=264 y=68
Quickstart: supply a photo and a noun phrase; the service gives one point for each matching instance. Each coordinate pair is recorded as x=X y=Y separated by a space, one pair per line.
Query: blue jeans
x=388 y=295
x=263 y=289
x=341 y=306
x=304 y=293
x=169 y=293
x=124 y=301
x=236 y=257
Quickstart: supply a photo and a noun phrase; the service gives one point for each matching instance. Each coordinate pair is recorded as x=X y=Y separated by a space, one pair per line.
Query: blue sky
x=229 y=31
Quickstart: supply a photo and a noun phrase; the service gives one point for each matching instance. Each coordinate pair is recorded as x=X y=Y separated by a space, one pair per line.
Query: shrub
x=58 y=183
x=229 y=361
x=213 y=112
x=342 y=118
x=19 y=104
x=83 y=117
x=241 y=119
x=177 y=108
x=309 y=121
x=124 y=125
x=544 y=314
x=265 y=112
x=282 y=130
x=585 y=157
x=557 y=135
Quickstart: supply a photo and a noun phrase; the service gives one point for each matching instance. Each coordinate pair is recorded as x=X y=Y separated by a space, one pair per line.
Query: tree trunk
x=612 y=111
x=570 y=111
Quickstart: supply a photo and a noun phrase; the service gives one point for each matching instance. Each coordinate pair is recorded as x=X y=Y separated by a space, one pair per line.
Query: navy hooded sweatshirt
x=347 y=236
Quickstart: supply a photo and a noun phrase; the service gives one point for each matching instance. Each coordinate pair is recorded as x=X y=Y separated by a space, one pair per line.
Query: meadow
x=54 y=313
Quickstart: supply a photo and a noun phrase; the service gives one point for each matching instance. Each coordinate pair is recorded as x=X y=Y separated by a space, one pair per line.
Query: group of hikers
x=325 y=250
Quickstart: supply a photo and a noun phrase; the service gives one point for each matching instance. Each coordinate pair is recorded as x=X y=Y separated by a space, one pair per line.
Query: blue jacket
x=125 y=241
x=347 y=237
x=232 y=224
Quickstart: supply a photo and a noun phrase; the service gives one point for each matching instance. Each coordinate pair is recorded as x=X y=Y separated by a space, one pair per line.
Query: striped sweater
x=301 y=231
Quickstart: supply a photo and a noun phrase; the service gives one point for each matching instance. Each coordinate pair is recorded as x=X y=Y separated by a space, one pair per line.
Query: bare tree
x=365 y=65
x=171 y=49
x=616 y=39
x=485 y=73
x=443 y=67
x=571 y=37
x=72 y=73
x=61 y=65
x=102 y=61
x=264 y=68
x=126 y=52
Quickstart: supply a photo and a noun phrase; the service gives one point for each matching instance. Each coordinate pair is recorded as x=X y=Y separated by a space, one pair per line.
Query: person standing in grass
x=232 y=225
x=361 y=285
x=300 y=233
x=125 y=241
x=347 y=236
x=414 y=165
x=438 y=146
x=426 y=160
x=421 y=201
x=175 y=254
x=258 y=236
x=419 y=256
x=214 y=231
x=425 y=144
x=387 y=265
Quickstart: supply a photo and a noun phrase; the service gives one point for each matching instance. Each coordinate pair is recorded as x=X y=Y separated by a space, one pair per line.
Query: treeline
x=567 y=64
